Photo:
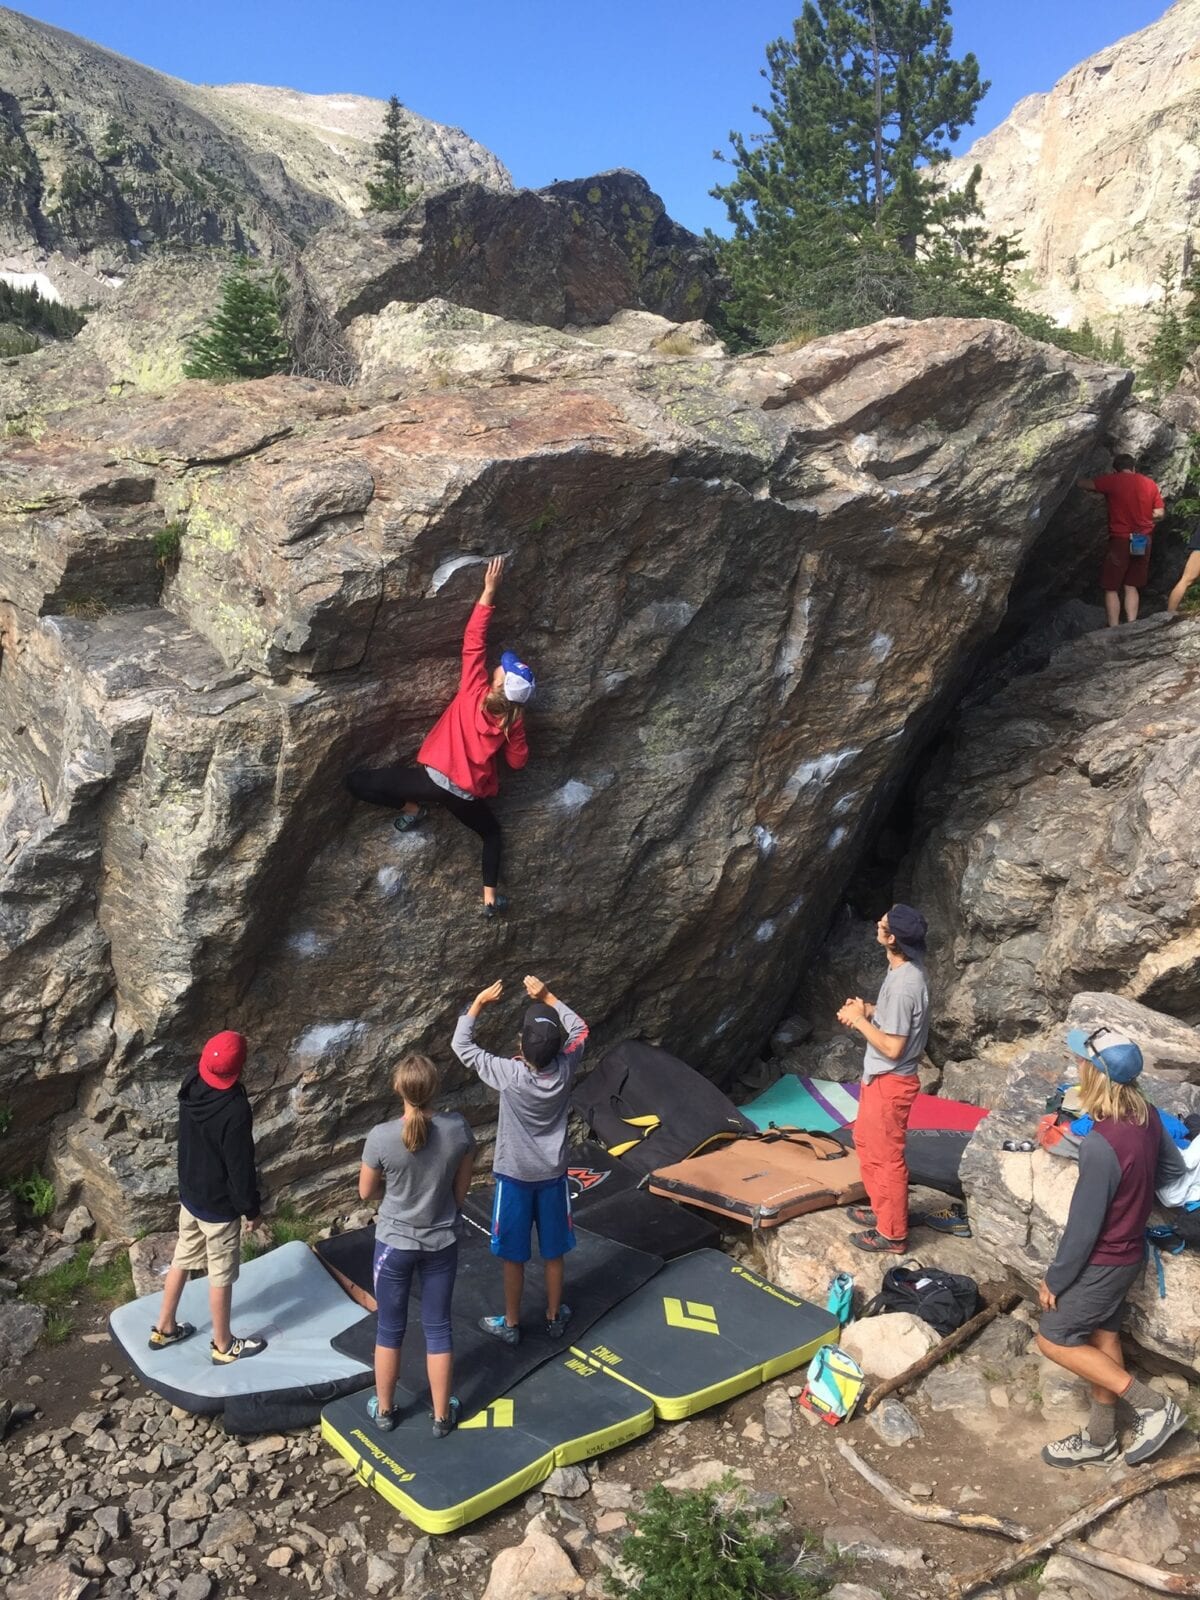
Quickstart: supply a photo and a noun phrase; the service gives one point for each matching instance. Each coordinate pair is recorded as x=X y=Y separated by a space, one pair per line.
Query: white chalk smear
x=573 y=796
x=968 y=581
x=766 y=930
x=307 y=943
x=390 y=881
x=835 y=838
x=764 y=839
x=445 y=570
x=819 y=770
x=328 y=1036
x=880 y=646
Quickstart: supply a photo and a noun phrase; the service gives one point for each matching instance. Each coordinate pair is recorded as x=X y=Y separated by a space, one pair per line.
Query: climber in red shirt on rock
x=1134 y=506
x=457 y=763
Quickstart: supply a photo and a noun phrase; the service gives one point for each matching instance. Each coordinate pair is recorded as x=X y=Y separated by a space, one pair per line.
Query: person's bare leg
x=489 y=895
x=1112 y=607
x=387 y=1371
x=1191 y=572
x=440 y=1369
x=220 y=1298
x=553 y=1271
x=514 y=1287
x=1132 y=599
x=1100 y=1364
x=172 y=1290
x=409 y=808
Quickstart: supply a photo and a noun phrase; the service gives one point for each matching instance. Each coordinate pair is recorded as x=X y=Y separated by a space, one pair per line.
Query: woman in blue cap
x=1102 y=1253
x=457 y=763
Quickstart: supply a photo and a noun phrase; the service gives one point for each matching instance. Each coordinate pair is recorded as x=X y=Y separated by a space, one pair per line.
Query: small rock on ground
x=894 y=1423
x=567 y=1483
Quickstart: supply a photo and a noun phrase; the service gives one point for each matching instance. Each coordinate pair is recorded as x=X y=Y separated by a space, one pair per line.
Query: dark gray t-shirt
x=902 y=1009
x=418 y=1211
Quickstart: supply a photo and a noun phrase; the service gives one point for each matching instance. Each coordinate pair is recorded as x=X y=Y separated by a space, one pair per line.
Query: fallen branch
x=984 y=1522
x=1138 y=1483
x=952 y=1341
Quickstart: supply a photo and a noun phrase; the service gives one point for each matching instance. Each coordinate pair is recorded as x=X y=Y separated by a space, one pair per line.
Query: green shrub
x=167 y=544
x=244 y=336
x=16 y=342
x=288 y=1224
x=707 y=1543
x=35 y=1193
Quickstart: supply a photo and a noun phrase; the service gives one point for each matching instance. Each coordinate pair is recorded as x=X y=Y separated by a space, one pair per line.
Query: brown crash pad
x=766 y=1180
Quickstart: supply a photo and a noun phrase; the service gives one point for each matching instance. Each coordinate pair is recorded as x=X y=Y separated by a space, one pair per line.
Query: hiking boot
x=1151 y=1430
x=948 y=1219
x=1077 y=1450
x=497 y=908
x=239 y=1350
x=163 y=1341
x=444 y=1425
x=557 y=1326
x=385 y=1421
x=500 y=1329
x=408 y=820
x=861 y=1216
x=877 y=1244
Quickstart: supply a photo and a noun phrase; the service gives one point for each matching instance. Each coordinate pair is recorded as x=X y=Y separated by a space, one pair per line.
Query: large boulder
x=750 y=588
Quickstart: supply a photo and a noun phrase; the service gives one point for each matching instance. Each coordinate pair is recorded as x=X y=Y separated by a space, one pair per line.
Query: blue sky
x=562 y=90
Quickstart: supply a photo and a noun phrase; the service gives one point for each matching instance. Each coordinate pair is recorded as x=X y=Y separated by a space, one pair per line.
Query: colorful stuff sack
x=834 y=1387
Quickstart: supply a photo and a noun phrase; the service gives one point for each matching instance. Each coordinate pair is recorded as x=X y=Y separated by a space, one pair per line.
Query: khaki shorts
x=216 y=1246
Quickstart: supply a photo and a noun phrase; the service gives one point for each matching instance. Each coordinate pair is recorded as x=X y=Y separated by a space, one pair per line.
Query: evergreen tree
x=244 y=336
x=865 y=99
x=392 y=188
x=1174 y=326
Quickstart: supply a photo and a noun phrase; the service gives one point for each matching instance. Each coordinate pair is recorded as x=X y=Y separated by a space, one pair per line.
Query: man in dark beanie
x=896 y=1029
x=217 y=1189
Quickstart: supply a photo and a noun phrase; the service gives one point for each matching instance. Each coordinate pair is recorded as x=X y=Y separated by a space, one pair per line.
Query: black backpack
x=943 y=1299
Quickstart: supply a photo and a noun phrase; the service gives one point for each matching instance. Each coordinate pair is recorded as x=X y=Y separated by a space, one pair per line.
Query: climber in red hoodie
x=457 y=763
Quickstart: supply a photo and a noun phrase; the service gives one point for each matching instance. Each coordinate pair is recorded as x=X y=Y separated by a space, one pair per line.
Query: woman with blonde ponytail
x=418 y=1167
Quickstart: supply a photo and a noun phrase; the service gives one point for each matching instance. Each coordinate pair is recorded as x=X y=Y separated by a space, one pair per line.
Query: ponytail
x=501 y=709
x=416 y=1081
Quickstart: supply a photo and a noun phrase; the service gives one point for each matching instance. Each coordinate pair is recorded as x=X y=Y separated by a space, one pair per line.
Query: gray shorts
x=1095 y=1301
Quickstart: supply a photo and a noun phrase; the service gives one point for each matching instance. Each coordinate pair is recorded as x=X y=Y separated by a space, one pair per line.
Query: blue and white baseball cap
x=1109 y=1052
x=518 y=678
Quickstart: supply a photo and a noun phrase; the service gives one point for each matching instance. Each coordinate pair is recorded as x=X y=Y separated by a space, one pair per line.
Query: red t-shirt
x=1132 y=501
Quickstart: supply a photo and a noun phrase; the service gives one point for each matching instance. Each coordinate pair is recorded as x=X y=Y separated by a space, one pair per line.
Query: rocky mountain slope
x=102 y=159
x=1101 y=176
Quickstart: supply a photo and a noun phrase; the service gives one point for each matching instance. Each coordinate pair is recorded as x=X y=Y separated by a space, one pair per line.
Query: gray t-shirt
x=902 y=1009
x=418 y=1211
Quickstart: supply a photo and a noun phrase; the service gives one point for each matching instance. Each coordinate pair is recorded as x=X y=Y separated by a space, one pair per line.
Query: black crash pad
x=933 y=1156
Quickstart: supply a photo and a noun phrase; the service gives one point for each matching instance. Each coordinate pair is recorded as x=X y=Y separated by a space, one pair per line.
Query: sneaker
x=500 y=1329
x=444 y=1425
x=861 y=1216
x=239 y=1350
x=407 y=820
x=1151 y=1430
x=162 y=1341
x=1077 y=1450
x=385 y=1421
x=877 y=1244
x=949 y=1219
x=498 y=907
x=557 y=1326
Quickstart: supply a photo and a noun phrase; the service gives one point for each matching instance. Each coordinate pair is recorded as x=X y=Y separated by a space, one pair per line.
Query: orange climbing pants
x=884 y=1106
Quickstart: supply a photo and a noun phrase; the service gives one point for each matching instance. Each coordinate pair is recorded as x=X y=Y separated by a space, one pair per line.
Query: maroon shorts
x=1120 y=568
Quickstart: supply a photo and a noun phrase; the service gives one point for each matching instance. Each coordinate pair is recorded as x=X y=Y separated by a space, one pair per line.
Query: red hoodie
x=465 y=742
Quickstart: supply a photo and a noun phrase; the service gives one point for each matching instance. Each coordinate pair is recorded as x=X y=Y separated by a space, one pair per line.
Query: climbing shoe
x=385 y=1421
x=876 y=1244
x=407 y=820
x=162 y=1341
x=239 y=1350
x=500 y=1329
x=444 y=1425
x=861 y=1216
x=497 y=908
x=557 y=1326
x=949 y=1219
x=1151 y=1430
x=1077 y=1450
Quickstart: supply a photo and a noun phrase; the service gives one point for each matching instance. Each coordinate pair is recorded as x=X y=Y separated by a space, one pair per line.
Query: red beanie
x=222 y=1060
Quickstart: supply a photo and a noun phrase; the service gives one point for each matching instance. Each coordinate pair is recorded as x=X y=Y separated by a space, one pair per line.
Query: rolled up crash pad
x=933 y=1157
x=564 y=1412
x=823 y=1106
x=288 y=1298
x=766 y=1180
x=648 y=1108
x=705 y=1329
x=599 y=1274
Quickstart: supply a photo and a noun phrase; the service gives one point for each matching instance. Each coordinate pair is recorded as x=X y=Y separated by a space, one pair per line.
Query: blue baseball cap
x=518 y=678
x=1108 y=1051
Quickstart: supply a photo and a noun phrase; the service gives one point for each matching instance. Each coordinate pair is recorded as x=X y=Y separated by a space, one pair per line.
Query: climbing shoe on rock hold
x=497 y=908
x=407 y=820
x=1077 y=1450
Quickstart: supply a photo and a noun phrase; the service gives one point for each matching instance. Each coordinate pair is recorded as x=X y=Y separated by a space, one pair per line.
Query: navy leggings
x=395 y=786
x=393 y=1275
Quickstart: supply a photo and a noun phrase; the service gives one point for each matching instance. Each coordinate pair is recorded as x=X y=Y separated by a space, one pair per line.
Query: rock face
x=749 y=587
x=576 y=252
x=1101 y=177
x=106 y=158
x=1060 y=848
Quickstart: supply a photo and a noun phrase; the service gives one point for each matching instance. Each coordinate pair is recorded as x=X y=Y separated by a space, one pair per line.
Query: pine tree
x=865 y=99
x=1169 y=349
x=244 y=336
x=392 y=188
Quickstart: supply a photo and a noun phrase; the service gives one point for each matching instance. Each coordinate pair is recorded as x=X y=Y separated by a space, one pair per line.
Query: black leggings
x=395 y=786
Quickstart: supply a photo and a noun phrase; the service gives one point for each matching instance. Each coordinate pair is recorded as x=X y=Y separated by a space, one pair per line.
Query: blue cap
x=1108 y=1051
x=518 y=678
x=908 y=927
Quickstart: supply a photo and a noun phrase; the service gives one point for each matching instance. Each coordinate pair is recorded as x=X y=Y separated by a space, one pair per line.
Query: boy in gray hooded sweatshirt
x=530 y=1160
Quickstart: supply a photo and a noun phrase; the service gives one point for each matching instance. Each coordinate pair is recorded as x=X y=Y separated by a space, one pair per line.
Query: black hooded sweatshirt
x=217 y=1182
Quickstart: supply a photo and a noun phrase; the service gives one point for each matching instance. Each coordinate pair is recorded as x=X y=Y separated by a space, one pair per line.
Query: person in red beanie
x=456 y=766
x=218 y=1187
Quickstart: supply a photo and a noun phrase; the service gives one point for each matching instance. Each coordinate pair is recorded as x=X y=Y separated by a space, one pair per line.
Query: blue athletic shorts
x=518 y=1206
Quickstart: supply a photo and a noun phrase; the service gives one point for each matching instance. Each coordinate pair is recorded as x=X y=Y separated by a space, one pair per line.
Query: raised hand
x=535 y=988
x=491 y=580
x=488 y=996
